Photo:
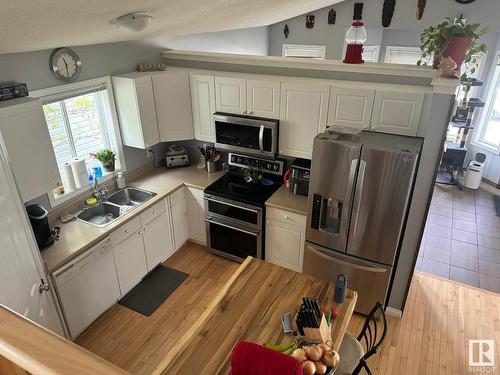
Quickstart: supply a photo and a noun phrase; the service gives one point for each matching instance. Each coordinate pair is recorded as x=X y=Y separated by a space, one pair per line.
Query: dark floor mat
x=496 y=200
x=153 y=290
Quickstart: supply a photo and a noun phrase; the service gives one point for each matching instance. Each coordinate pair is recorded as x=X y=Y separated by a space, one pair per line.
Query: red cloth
x=249 y=358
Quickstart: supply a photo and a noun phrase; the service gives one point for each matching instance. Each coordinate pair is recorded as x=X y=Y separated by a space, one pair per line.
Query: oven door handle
x=231 y=227
x=261 y=138
x=232 y=205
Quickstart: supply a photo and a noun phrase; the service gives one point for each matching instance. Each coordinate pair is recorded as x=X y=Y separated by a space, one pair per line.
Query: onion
x=331 y=359
x=320 y=367
x=313 y=352
x=300 y=355
x=325 y=347
x=308 y=367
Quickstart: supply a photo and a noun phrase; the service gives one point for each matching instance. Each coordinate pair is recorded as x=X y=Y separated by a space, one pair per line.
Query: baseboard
x=393 y=312
x=491 y=183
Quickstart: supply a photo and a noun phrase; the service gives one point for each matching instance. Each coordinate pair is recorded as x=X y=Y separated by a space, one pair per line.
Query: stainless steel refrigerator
x=359 y=196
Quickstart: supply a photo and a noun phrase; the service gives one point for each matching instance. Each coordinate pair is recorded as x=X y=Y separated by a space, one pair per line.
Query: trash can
x=475 y=172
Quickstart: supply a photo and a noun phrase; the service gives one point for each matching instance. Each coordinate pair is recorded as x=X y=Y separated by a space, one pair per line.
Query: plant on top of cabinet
x=107 y=158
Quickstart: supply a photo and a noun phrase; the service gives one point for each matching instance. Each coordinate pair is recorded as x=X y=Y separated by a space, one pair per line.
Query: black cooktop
x=233 y=186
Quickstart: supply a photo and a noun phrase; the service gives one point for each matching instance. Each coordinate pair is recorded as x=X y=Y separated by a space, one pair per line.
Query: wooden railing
x=27 y=348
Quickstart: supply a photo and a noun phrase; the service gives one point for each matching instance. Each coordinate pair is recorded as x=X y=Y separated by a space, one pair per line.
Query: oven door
x=228 y=210
x=232 y=240
x=246 y=134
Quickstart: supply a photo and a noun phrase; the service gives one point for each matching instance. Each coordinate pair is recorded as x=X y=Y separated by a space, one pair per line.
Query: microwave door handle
x=358 y=194
x=261 y=138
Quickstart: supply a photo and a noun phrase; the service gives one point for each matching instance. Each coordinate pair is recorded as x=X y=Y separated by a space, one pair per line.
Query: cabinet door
x=231 y=95
x=263 y=98
x=136 y=111
x=284 y=245
x=397 y=112
x=33 y=162
x=157 y=237
x=302 y=116
x=179 y=223
x=196 y=220
x=130 y=261
x=350 y=107
x=203 y=103
x=173 y=106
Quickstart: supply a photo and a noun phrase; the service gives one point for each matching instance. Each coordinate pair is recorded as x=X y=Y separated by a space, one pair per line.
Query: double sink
x=115 y=206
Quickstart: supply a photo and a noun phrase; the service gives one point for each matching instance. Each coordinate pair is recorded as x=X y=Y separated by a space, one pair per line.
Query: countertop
x=287 y=201
x=78 y=236
x=232 y=316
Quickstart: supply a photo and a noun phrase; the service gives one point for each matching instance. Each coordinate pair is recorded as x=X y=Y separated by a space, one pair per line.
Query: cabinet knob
x=139 y=232
x=243 y=112
x=286 y=217
x=101 y=251
x=267 y=222
x=144 y=229
x=154 y=212
x=126 y=230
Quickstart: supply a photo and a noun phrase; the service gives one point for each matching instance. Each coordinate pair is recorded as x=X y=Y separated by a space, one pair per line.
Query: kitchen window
x=488 y=132
x=81 y=119
x=404 y=55
x=304 y=51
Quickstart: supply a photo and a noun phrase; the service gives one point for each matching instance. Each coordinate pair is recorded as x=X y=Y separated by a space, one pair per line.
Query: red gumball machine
x=355 y=37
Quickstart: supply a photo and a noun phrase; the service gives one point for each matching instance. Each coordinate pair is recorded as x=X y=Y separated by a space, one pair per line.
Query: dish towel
x=249 y=358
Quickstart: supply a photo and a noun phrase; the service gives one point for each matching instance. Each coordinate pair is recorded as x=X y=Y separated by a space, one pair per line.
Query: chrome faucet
x=100 y=191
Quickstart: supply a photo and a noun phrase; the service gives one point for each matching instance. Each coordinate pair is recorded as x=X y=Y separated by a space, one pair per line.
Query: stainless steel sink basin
x=116 y=205
x=131 y=197
x=101 y=214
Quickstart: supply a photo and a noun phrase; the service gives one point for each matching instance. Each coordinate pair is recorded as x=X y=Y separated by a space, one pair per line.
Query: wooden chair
x=353 y=356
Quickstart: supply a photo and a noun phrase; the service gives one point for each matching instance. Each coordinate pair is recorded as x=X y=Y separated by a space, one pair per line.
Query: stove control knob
x=276 y=167
x=269 y=166
x=238 y=160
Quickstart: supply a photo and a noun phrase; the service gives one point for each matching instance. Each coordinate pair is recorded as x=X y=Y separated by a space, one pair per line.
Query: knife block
x=323 y=333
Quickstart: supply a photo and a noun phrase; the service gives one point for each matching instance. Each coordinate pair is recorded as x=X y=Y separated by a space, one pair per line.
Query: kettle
x=38 y=216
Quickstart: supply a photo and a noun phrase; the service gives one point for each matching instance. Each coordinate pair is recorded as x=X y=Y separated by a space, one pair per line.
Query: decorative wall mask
x=310 y=21
x=420 y=8
x=332 y=16
x=464 y=1
x=286 y=31
x=387 y=12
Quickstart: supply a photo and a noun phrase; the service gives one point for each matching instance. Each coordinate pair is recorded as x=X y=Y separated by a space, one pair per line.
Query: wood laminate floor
x=431 y=338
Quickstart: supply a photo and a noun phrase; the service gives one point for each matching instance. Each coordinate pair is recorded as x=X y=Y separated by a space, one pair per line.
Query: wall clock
x=464 y=1
x=65 y=64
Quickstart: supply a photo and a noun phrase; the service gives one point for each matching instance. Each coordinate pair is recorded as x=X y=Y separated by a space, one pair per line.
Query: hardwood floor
x=431 y=338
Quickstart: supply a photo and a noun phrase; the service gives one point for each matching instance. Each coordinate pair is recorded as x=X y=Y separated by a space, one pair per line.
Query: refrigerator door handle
x=320 y=253
x=358 y=194
x=346 y=212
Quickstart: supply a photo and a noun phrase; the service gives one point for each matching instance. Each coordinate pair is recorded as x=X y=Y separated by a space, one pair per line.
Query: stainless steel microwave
x=245 y=134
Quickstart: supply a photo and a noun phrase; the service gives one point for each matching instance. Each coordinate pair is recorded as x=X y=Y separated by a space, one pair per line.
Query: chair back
x=372 y=335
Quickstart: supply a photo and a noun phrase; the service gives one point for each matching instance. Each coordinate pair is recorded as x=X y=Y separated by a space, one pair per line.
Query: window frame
x=376 y=52
x=62 y=91
x=388 y=50
x=311 y=47
x=493 y=80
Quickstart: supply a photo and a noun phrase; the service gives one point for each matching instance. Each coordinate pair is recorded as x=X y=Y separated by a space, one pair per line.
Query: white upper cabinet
x=397 y=111
x=231 y=95
x=136 y=110
x=263 y=98
x=350 y=106
x=303 y=113
x=31 y=155
x=173 y=105
x=203 y=103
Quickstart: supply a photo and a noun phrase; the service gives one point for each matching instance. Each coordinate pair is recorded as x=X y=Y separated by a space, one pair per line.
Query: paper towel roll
x=68 y=178
x=80 y=174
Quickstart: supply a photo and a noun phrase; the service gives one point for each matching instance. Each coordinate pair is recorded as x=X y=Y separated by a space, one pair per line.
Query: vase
x=109 y=167
x=457 y=49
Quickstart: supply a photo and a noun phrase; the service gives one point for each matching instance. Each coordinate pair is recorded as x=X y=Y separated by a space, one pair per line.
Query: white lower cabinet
x=157 y=237
x=130 y=261
x=195 y=207
x=179 y=218
x=284 y=242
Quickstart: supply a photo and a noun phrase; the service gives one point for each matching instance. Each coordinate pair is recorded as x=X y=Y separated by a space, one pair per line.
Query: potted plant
x=452 y=38
x=107 y=158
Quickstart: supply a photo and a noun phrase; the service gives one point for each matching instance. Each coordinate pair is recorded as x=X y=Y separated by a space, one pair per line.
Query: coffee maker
x=40 y=224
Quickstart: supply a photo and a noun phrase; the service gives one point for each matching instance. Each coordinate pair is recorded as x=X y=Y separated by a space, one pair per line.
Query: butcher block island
x=249 y=308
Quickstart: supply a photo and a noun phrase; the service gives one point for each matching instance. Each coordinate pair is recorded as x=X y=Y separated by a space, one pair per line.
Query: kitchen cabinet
x=196 y=215
x=136 y=110
x=263 y=98
x=179 y=218
x=31 y=155
x=350 y=106
x=231 y=95
x=397 y=111
x=173 y=105
x=303 y=115
x=285 y=235
x=158 y=244
x=203 y=106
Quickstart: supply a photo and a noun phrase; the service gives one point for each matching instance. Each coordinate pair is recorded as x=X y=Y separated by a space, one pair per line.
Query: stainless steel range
x=234 y=207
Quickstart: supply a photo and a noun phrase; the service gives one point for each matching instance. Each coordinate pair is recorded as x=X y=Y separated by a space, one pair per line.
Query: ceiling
x=28 y=25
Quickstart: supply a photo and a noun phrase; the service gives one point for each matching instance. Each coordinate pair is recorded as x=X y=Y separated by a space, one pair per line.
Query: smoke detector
x=133 y=22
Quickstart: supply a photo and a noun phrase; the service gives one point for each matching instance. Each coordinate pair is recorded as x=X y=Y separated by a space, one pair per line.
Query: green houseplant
x=453 y=38
x=107 y=158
